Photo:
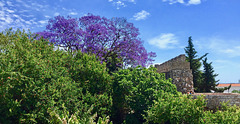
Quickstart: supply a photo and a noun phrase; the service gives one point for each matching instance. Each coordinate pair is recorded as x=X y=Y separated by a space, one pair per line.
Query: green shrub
x=172 y=108
x=227 y=115
x=235 y=91
x=65 y=118
x=133 y=92
x=34 y=78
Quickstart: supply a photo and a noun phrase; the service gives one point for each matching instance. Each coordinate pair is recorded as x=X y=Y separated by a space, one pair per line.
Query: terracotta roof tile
x=226 y=85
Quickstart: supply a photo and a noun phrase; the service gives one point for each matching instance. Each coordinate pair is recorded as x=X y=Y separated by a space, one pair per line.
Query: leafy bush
x=170 y=108
x=176 y=108
x=228 y=114
x=235 y=91
x=65 y=118
x=133 y=92
x=35 y=78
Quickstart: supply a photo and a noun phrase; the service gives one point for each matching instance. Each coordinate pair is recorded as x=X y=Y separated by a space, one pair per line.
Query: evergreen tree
x=195 y=64
x=209 y=81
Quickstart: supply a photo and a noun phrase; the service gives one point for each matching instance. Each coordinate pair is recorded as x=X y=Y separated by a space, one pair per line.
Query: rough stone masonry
x=178 y=69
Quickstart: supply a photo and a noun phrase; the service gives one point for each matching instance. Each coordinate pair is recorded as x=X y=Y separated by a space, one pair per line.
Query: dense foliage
x=228 y=115
x=134 y=90
x=35 y=79
x=176 y=108
x=101 y=36
x=41 y=85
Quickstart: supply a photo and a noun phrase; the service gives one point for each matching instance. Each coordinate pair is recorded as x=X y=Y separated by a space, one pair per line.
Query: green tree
x=134 y=90
x=6 y=38
x=36 y=79
x=209 y=82
x=195 y=64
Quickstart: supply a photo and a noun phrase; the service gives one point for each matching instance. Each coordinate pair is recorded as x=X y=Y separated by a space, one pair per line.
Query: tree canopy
x=101 y=36
x=36 y=79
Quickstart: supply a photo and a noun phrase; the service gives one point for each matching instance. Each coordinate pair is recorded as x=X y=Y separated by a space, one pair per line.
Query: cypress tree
x=209 y=81
x=195 y=64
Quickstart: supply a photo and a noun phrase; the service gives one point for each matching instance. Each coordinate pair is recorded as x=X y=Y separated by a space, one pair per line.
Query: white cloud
x=228 y=51
x=8 y=20
x=141 y=15
x=20 y=16
x=227 y=69
x=43 y=21
x=188 y=2
x=9 y=3
x=10 y=11
x=56 y=14
x=174 y=1
x=133 y=1
x=195 y=2
x=224 y=52
x=232 y=51
x=164 y=41
x=121 y=3
x=220 y=46
x=29 y=14
x=227 y=62
x=46 y=16
x=28 y=22
x=1 y=4
x=73 y=13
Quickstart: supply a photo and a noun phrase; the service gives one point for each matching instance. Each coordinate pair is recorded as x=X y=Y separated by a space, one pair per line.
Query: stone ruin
x=178 y=69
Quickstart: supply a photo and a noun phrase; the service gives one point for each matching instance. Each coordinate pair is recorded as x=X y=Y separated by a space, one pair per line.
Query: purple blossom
x=101 y=36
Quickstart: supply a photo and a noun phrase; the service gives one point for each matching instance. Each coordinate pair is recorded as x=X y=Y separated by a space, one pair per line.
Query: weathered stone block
x=178 y=69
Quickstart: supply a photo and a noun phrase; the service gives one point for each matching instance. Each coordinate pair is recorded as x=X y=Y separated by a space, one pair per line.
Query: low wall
x=214 y=99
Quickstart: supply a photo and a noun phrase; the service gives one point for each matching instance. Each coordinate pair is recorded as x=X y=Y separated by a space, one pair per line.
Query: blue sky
x=165 y=25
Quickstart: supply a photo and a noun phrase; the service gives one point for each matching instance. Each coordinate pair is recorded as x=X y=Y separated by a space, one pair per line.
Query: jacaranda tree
x=107 y=38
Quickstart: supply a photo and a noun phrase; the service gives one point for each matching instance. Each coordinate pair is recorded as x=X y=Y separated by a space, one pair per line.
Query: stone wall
x=179 y=71
x=214 y=99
